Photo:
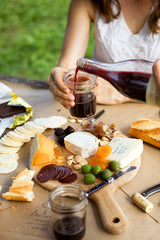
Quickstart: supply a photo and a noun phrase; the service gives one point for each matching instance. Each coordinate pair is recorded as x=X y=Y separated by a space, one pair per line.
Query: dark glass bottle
x=133 y=78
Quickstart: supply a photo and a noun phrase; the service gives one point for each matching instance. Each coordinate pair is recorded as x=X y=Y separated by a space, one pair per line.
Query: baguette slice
x=21 y=186
x=25 y=174
x=146 y=129
x=28 y=197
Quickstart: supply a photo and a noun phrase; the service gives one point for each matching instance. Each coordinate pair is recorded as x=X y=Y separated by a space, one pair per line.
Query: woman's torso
x=115 y=42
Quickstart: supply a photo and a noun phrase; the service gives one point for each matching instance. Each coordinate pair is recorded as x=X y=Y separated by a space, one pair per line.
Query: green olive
x=89 y=178
x=114 y=166
x=105 y=174
x=96 y=170
x=86 y=168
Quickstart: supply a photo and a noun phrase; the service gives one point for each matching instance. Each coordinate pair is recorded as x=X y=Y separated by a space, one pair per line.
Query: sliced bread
x=146 y=129
x=22 y=187
x=28 y=197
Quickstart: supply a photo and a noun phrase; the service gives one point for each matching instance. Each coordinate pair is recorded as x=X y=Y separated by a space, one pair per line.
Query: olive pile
x=92 y=172
x=61 y=133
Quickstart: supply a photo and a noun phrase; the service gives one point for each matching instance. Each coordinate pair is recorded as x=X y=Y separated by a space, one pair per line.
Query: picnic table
x=23 y=220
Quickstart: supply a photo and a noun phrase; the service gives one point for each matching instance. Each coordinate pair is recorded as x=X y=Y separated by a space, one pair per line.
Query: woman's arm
x=80 y=16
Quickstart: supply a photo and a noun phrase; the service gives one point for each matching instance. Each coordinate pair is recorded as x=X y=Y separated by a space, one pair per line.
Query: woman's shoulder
x=85 y=5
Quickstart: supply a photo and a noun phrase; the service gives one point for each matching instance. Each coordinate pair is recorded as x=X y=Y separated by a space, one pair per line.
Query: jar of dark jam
x=68 y=204
x=82 y=86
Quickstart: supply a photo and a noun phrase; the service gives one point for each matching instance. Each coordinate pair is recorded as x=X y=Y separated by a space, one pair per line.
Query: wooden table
x=31 y=221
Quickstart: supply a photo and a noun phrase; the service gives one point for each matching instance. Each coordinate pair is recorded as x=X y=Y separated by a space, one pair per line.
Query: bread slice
x=146 y=129
x=22 y=187
x=28 y=197
x=25 y=174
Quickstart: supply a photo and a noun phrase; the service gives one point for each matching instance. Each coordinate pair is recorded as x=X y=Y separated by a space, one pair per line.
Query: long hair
x=105 y=7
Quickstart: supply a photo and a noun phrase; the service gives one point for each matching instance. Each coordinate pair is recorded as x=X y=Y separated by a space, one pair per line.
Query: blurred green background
x=31 y=36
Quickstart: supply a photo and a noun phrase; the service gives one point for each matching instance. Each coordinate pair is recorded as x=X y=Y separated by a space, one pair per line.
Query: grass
x=31 y=36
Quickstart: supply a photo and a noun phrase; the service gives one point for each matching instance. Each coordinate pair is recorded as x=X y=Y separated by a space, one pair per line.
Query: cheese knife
x=110 y=180
x=99 y=114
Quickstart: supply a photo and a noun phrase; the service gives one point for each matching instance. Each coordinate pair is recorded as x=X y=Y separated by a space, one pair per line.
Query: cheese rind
x=125 y=150
x=82 y=143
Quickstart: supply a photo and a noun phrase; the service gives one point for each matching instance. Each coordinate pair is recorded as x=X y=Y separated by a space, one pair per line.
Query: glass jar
x=82 y=86
x=68 y=204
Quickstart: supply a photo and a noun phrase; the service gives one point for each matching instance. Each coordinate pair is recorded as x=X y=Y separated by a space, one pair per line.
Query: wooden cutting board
x=112 y=216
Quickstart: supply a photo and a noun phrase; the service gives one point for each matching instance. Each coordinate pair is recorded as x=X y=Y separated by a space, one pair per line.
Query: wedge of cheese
x=82 y=143
x=125 y=150
x=42 y=150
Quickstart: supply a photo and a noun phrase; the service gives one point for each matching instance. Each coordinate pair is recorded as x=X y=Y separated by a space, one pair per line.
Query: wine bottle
x=133 y=78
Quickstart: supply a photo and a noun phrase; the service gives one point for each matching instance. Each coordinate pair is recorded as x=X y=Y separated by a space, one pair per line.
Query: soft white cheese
x=82 y=143
x=125 y=150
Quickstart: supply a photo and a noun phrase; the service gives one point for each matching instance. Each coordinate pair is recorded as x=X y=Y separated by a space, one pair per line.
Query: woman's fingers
x=56 y=79
x=60 y=92
x=156 y=74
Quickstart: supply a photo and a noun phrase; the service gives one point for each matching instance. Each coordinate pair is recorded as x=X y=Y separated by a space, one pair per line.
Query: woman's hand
x=60 y=92
x=107 y=94
x=156 y=74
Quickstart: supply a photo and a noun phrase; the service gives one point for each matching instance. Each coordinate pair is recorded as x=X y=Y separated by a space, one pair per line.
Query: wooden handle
x=112 y=217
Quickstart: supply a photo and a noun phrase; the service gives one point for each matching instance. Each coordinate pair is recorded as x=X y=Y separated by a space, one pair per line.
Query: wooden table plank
x=24 y=81
x=19 y=216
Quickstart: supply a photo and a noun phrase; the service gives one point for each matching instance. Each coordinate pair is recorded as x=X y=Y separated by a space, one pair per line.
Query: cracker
x=18 y=136
x=9 y=168
x=51 y=122
x=13 y=143
x=41 y=121
x=31 y=125
x=25 y=131
x=8 y=159
x=6 y=149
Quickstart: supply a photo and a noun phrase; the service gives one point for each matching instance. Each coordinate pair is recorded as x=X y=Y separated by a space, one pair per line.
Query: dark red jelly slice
x=70 y=178
x=47 y=173
x=67 y=172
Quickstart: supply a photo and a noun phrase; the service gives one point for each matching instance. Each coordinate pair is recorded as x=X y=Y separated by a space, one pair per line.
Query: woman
x=123 y=29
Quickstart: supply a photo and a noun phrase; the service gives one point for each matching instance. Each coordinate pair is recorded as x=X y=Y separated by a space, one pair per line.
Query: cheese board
x=52 y=162
x=111 y=215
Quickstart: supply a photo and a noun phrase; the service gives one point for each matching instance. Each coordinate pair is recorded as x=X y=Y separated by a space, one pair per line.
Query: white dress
x=115 y=42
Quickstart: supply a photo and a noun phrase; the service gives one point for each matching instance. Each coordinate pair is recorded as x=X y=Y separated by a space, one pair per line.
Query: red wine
x=75 y=80
x=138 y=85
x=69 y=228
x=85 y=105
x=131 y=84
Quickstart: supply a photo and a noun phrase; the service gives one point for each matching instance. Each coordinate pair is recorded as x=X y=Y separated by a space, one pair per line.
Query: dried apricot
x=104 y=151
x=102 y=162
